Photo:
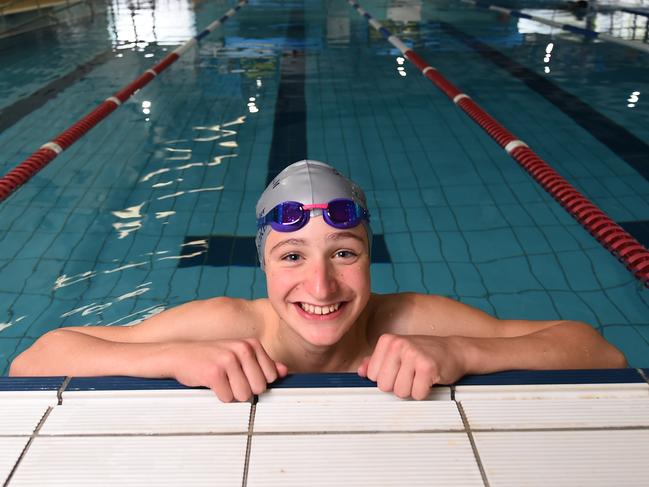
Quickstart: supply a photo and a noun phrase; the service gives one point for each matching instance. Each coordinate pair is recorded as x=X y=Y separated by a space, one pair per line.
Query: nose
x=320 y=280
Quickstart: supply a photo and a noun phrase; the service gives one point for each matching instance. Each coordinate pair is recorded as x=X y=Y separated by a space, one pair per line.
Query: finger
x=377 y=357
x=267 y=364
x=221 y=387
x=421 y=385
x=282 y=369
x=254 y=375
x=404 y=382
x=388 y=372
x=362 y=369
x=238 y=382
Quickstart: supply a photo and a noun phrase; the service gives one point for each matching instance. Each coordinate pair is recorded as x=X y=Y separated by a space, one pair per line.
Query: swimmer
x=313 y=242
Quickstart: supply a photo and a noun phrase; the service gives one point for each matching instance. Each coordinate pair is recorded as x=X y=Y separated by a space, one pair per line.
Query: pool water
x=155 y=206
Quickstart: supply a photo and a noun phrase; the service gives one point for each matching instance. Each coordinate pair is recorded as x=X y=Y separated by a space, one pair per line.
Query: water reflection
x=6 y=325
x=166 y=23
x=606 y=19
x=404 y=11
x=132 y=218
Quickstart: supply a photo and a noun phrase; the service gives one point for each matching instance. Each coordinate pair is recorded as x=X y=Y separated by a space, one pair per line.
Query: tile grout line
x=29 y=443
x=336 y=432
x=476 y=454
x=59 y=393
x=251 y=424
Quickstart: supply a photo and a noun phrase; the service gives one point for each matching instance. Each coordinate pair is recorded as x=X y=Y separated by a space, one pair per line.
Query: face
x=318 y=279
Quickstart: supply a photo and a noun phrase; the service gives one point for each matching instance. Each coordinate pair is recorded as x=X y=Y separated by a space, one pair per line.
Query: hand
x=233 y=369
x=409 y=365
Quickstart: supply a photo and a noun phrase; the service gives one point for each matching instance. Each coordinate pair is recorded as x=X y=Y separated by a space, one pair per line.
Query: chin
x=323 y=330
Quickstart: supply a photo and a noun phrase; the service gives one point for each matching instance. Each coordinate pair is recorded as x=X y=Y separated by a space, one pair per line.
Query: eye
x=292 y=257
x=346 y=254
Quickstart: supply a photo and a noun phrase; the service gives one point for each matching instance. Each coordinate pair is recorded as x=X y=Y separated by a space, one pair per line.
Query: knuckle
x=386 y=339
x=229 y=358
x=429 y=369
x=245 y=349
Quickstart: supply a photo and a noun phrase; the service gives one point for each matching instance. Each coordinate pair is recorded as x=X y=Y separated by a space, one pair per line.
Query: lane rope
x=50 y=150
x=590 y=34
x=608 y=233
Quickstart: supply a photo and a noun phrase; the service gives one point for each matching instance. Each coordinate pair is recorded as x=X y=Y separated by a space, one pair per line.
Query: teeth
x=319 y=310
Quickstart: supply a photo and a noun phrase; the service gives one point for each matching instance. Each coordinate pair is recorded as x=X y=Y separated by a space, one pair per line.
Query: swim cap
x=307 y=182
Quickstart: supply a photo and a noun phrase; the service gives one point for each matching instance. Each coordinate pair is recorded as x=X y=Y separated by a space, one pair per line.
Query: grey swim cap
x=307 y=182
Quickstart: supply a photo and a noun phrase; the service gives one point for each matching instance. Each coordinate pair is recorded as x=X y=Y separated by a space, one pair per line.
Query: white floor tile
x=557 y=413
x=363 y=459
x=565 y=458
x=344 y=394
x=552 y=391
x=133 y=460
x=356 y=415
x=148 y=415
x=10 y=449
x=21 y=417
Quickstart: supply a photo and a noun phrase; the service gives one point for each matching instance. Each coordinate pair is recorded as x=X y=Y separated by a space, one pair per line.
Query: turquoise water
x=155 y=206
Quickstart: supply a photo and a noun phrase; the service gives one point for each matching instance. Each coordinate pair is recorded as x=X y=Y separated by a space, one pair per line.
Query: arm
x=204 y=343
x=126 y=350
x=490 y=344
x=558 y=345
x=440 y=340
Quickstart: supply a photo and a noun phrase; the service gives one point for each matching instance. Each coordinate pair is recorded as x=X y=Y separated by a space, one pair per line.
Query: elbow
x=618 y=360
x=30 y=361
x=18 y=367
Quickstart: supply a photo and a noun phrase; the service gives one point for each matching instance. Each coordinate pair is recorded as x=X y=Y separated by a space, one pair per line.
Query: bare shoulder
x=428 y=314
x=209 y=319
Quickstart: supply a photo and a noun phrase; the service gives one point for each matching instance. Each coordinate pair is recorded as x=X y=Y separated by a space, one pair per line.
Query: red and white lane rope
x=43 y=156
x=613 y=237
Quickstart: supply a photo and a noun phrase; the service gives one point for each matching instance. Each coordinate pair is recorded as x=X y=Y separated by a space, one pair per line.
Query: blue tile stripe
x=289 y=142
x=18 y=110
x=228 y=250
x=118 y=383
x=549 y=377
x=352 y=380
x=14 y=384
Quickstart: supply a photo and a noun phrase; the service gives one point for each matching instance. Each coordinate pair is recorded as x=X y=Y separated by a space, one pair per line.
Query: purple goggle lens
x=290 y=216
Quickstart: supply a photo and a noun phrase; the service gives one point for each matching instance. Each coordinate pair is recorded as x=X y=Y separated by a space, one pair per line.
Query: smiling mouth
x=312 y=309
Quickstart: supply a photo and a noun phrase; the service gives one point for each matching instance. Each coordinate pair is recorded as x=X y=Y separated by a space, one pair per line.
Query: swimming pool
x=155 y=206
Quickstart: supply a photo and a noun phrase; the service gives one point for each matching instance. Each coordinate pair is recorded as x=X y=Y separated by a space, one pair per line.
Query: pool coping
x=328 y=380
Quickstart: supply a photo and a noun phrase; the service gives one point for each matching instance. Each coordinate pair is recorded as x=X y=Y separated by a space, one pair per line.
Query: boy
x=313 y=241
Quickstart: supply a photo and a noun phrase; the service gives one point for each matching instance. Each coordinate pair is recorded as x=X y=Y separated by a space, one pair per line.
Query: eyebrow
x=288 y=241
x=344 y=235
x=331 y=236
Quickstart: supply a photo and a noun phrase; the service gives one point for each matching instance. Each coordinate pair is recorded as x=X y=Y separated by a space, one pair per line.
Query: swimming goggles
x=290 y=216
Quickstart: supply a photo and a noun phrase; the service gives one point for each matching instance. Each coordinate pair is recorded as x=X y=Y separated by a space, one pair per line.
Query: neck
x=301 y=356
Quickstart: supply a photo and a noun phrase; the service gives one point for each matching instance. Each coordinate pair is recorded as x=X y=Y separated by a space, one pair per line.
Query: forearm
x=69 y=353
x=568 y=345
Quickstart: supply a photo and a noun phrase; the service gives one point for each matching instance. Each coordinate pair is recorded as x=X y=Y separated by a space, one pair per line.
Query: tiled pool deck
x=515 y=428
